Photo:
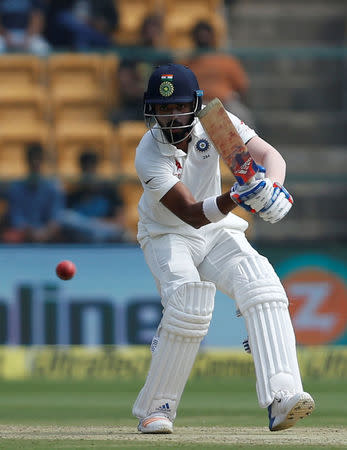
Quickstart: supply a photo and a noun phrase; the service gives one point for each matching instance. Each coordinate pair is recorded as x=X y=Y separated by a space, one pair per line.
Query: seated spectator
x=21 y=26
x=95 y=210
x=130 y=93
x=151 y=33
x=81 y=24
x=219 y=74
x=34 y=204
x=132 y=73
x=151 y=45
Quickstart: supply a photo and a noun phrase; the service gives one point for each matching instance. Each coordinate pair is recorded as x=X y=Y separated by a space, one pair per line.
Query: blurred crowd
x=43 y=210
x=91 y=209
x=43 y=26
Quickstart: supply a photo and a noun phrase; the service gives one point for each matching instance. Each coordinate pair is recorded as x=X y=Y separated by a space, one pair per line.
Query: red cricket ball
x=65 y=270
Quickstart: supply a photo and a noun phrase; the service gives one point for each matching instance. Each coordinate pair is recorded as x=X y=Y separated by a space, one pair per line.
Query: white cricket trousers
x=225 y=258
x=175 y=259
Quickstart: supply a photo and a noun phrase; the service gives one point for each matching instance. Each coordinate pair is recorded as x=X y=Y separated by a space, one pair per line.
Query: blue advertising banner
x=113 y=298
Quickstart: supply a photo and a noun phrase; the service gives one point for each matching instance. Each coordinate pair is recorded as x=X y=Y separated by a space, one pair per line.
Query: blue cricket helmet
x=173 y=83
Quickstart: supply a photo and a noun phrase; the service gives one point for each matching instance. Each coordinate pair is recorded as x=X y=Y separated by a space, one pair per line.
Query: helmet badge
x=166 y=88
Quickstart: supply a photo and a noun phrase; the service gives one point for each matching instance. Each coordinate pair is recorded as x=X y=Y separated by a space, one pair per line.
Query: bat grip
x=242 y=182
x=249 y=176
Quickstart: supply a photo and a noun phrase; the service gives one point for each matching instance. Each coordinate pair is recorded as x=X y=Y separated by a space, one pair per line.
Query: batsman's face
x=175 y=120
x=179 y=112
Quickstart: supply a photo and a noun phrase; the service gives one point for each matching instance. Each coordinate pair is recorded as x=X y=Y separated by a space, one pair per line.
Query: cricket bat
x=227 y=141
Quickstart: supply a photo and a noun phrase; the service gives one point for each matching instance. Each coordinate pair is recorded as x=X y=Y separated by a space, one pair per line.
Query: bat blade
x=227 y=141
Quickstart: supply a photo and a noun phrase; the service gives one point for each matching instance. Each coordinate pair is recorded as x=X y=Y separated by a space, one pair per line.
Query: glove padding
x=271 y=200
x=255 y=195
x=281 y=202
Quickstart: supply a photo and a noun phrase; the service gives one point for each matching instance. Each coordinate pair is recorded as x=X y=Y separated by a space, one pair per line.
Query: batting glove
x=281 y=203
x=255 y=195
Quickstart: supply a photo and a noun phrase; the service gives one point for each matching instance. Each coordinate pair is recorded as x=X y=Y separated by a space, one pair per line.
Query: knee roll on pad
x=255 y=282
x=184 y=324
x=189 y=311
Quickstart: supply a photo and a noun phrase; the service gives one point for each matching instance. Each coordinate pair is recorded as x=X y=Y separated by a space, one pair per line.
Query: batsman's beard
x=176 y=132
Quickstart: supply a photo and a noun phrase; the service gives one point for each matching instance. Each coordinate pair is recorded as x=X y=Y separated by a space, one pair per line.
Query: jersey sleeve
x=246 y=133
x=156 y=175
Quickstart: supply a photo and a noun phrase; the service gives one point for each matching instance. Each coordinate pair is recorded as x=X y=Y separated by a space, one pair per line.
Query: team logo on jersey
x=166 y=88
x=202 y=145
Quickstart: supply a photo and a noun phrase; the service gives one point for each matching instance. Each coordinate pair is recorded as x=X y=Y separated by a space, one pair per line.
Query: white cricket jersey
x=161 y=166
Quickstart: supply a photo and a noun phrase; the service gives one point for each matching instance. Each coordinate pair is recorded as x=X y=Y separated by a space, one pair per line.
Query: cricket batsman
x=194 y=244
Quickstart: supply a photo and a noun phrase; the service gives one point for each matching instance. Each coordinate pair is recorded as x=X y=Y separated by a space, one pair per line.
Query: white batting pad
x=185 y=322
x=264 y=306
x=272 y=343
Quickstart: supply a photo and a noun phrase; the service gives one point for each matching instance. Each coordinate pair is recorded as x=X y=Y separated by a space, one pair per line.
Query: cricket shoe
x=287 y=409
x=156 y=423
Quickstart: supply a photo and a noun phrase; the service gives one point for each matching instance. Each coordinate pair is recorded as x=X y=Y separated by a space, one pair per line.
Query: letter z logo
x=318 y=305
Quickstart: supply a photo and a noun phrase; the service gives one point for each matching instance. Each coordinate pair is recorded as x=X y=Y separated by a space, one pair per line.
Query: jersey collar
x=169 y=149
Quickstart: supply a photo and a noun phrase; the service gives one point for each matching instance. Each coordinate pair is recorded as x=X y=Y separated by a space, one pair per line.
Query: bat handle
x=249 y=176
x=242 y=182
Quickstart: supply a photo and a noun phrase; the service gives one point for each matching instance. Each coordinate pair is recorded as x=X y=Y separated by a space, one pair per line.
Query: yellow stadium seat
x=128 y=135
x=67 y=106
x=111 y=64
x=21 y=69
x=181 y=16
x=14 y=137
x=181 y=13
x=23 y=103
x=131 y=15
x=131 y=191
x=76 y=72
x=70 y=138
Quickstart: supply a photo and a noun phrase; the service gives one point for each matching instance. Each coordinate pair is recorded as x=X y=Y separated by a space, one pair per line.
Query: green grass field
x=214 y=413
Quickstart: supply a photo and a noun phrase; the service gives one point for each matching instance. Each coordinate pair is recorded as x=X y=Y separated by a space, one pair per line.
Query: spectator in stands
x=152 y=45
x=152 y=51
x=95 y=210
x=130 y=93
x=152 y=32
x=219 y=74
x=35 y=204
x=81 y=24
x=148 y=53
x=21 y=26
